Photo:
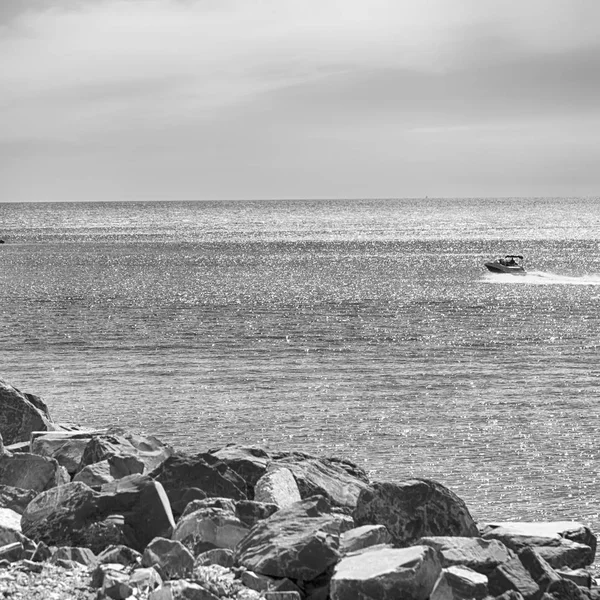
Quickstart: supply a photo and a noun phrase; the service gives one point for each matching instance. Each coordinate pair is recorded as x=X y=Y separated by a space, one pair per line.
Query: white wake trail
x=544 y=278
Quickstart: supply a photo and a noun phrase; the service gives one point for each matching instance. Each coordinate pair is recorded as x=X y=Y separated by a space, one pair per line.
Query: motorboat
x=511 y=263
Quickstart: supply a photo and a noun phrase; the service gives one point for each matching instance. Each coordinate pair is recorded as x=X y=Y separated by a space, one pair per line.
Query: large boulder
x=21 y=414
x=386 y=573
x=560 y=543
x=414 y=509
x=127 y=452
x=341 y=482
x=31 y=472
x=249 y=462
x=277 y=486
x=478 y=554
x=10 y=526
x=170 y=558
x=208 y=528
x=66 y=447
x=299 y=542
x=181 y=473
x=513 y=576
x=358 y=538
x=135 y=508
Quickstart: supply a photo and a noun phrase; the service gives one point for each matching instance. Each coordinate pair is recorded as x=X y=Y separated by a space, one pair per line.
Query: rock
x=20 y=414
x=66 y=447
x=127 y=452
x=334 y=480
x=478 y=554
x=256 y=581
x=414 y=509
x=119 y=554
x=563 y=589
x=16 y=498
x=31 y=472
x=386 y=573
x=12 y=552
x=170 y=558
x=83 y=556
x=76 y=515
x=512 y=575
x=95 y=475
x=299 y=542
x=541 y=572
x=41 y=553
x=560 y=543
x=10 y=526
x=277 y=486
x=217 y=556
x=249 y=462
x=277 y=595
x=363 y=537
x=250 y=512
x=181 y=472
x=209 y=528
x=145 y=579
x=181 y=590
x=112 y=582
x=466 y=583
x=581 y=577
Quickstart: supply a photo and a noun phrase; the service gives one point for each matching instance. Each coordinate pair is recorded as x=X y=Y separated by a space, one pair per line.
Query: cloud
x=223 y=79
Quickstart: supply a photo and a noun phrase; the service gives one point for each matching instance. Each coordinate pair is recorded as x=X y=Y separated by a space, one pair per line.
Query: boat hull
x=496 y=267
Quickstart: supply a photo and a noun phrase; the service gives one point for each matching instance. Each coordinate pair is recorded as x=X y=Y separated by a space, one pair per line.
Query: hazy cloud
x=295 y=97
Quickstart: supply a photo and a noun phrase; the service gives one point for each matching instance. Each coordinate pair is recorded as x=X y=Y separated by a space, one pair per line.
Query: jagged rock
x=170 y=558
x=120 y=554
x=96 y=474
x=31 y=472
x=541 y=572
x=209 y=528
x=299 y=542
x=10 y=526
x=128 y=453
x=277 y=486
x=145 y=579
x=66 y=447
x=563 y=589
x=512 y=575
x=386 y=573
x=560 y=543
x=466 y=583
x=217 y=556
x=363 y=537
x=248 y=512
x=256 y=581
x=74 y=514
x=12 y=552
x=181 y=472
x=83 y=556
x=16 y=498
x=581 y=577
x=112 y=582
x=414 y=509
x=41 y=553
x=478 y=554
x=181 y=590
x=249 y=462
x=277 y=595
x=339 y=481
x=20 y=414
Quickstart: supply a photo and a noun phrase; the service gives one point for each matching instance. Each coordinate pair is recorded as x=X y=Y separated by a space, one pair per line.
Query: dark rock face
x=15 y=498
x=414 y=509
x=299 y=542
x=20 y=414
x=131 y=511
x=249 y=462
x=182 y=472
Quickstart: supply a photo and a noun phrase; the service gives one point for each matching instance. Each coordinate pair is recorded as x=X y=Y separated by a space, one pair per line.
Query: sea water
x=364 y=329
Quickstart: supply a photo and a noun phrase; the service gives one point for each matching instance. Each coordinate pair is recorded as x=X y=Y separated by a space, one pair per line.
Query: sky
x=113 y=100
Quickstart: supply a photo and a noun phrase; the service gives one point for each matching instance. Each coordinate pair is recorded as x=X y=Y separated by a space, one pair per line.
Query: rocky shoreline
x=114 y=514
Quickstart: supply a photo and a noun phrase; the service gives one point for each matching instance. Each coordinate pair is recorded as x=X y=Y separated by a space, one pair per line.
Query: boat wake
x=543 y=278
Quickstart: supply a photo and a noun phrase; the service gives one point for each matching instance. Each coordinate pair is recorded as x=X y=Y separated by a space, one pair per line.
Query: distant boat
x=511 y=263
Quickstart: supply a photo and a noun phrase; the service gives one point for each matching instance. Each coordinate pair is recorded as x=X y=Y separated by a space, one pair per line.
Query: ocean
x=367 y=329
